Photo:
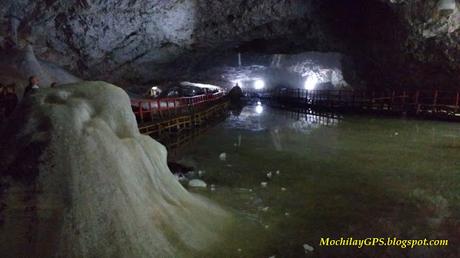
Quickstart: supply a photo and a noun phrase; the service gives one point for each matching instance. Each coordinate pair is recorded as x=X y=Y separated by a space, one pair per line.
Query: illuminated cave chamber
x=383 y=43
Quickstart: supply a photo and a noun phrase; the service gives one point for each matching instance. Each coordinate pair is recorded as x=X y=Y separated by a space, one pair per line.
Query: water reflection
x=338 y=176
x=259 y=118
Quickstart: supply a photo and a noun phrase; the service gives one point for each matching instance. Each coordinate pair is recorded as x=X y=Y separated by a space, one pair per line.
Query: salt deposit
x=80 y=181
x=308 y=248
x=197 y=183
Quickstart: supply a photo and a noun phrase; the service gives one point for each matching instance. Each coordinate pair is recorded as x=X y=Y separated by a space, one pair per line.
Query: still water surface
x=338 y=177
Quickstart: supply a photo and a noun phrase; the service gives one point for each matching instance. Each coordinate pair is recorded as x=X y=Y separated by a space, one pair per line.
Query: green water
x=346 y=177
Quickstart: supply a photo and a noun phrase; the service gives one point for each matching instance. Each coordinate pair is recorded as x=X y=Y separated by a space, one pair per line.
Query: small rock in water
x=283 y=189
x=250 y=190
x=269 y=174
x=278 y=172
x=239 y=250
x=266 y=226
x=308 y=248
x=197 y=183
x=287 y=213
x=223 y=156
x=273 y=256
x=265 y=209
x=396 y=133
x=263 y=184
x=200 y=172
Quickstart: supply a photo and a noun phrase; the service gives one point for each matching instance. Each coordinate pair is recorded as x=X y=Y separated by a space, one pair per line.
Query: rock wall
x=394 y=43
x=78 y=180
x=17 y=65
x=433 y=41
x=98 y=38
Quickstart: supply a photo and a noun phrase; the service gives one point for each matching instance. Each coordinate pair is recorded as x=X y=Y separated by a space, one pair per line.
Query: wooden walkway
x=185 y=120
x=436 y=104
x=166 y=115
x=163 y=108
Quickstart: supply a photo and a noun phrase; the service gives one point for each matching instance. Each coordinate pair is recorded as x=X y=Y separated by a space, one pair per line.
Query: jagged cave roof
x=392 y=42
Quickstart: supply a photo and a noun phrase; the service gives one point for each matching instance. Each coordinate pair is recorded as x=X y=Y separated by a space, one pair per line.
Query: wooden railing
x=408 y=101
x=150 y=109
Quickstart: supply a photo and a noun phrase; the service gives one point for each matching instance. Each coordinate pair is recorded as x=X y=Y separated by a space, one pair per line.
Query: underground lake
x=293 y=178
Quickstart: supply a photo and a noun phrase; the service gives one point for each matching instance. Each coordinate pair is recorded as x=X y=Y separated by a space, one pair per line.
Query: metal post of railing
x=435 y=101
x=392 y=99
x=141 y=113
x=150 y=110
x=457 y=99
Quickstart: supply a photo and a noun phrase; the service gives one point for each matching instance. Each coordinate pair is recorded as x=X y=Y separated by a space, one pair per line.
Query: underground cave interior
x=123 y=134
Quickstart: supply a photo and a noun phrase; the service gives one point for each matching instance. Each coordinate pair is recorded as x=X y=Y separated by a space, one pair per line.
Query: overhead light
x=310 y=82
x=259 y=84
x=259 y=109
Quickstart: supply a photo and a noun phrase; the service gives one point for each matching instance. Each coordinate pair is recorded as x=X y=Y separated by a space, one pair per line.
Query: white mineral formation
x=446 y=5
x=197 y=183
x=308 y=248
x=21 y=63
x=78 y=180
x=47 y=72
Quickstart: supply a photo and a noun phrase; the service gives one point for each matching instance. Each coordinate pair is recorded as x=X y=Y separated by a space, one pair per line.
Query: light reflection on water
x=339 y=176
x=253 y=118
